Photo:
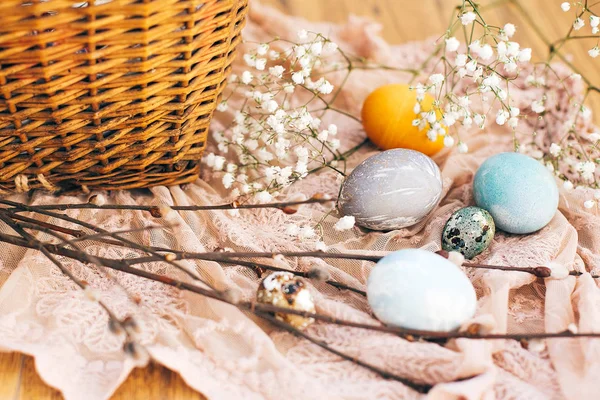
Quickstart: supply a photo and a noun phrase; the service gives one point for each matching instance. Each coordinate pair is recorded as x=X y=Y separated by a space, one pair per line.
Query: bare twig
x=156 y=210
x=421 y=388
x=130 y=243
x=257 y=309
x=34 y=243
x=264 y=311
x=73 y=232
x=411 y=334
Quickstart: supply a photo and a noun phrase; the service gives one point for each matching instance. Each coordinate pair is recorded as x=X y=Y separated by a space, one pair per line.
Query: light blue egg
x=418 y=289
x=519 y=192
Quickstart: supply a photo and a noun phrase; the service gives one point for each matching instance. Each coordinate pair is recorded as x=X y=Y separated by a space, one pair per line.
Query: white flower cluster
x=563 y=158
x=275 y=142
x=591 y=203
x=304 y=232
x=345 y=223
x=581 y=14
x=300 y=232
x=471 y=87
x=483 y=68
x=578 y=159
x=277 y=137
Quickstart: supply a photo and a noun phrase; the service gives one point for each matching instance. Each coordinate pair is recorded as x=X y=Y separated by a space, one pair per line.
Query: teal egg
x=518 y=191
x=468 y=231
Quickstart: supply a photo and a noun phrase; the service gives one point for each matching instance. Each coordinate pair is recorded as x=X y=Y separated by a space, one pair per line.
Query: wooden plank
x=10 y=375
x=155 y=382
x=19 y=380
x=32 y=386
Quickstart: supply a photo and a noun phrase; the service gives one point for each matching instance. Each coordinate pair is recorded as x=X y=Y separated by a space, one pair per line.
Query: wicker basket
x=110 y=94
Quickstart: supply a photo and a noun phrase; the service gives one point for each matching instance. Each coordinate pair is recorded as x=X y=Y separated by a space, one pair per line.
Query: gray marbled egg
x=469 y=231
x=391 y=190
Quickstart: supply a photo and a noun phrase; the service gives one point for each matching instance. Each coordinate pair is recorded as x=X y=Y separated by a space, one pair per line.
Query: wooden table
x=402 y=20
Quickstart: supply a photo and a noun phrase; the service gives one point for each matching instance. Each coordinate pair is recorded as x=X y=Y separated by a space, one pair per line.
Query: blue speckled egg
x=469 y=231
x=418 y=289
x=519 y=192
x=391 y=190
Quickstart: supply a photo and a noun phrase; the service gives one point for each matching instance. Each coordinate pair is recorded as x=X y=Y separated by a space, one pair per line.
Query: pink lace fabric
x=225 y=353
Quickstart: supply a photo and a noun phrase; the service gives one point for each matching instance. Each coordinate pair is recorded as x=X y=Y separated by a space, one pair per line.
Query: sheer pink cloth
x=226 y=354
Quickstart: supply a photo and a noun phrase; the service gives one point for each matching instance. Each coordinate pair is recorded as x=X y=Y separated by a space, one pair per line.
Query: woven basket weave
x=110 y=94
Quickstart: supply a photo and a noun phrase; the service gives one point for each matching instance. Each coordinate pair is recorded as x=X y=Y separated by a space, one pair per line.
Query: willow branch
x=410 y=334
x=229 y=258
x=539 y=271
x=156 y=210
x=253 y=265
x=72 y=232
x=384 y=374
x=132 y=244
x=91 y=259
x=260 y=310
x=100 y=236
x=36 y=244
x=215 y=256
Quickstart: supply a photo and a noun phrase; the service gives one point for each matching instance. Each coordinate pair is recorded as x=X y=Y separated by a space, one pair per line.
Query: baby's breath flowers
x=476 y=75
x=277 y=136
x=275 y=140
x=583 y=13
x=345 y=223
x=478 y=67
x=573 y=153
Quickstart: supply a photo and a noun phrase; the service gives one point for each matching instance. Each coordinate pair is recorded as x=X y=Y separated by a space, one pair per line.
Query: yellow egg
x=387 y=116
